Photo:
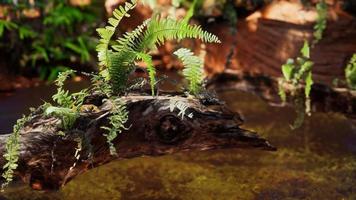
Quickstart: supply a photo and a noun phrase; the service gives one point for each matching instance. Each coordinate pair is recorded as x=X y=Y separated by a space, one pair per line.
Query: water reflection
x=317 y=161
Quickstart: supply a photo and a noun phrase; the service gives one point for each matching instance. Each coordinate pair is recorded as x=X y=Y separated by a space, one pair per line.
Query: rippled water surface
x=317 y=161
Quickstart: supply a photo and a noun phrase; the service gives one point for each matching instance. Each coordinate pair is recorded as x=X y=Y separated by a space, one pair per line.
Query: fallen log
x=48 y=160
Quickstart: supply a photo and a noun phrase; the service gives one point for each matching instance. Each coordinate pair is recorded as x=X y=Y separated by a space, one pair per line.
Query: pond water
x=316 y=161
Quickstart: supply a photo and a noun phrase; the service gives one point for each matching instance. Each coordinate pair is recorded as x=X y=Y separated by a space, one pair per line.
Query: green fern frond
x=107 y=32
x=130 y=40
x=150 y=68
x=193 y=69
x=118 y=118
x=12 y=148
x=158 y=31
x=120 y=66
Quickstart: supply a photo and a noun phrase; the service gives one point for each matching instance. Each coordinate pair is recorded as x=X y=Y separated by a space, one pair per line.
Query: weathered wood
x=46 y=158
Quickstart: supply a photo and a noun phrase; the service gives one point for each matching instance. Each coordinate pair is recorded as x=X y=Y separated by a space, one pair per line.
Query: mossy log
x=48 y=160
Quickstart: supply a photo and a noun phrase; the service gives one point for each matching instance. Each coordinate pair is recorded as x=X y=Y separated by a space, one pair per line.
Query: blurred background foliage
x=39 y=38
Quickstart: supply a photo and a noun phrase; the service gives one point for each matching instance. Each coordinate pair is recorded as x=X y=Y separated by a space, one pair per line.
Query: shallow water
x=316 y=161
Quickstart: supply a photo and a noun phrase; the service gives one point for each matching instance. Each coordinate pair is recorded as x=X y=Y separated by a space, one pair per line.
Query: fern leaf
x=120 y=65
x=193 y=69
x=146 y=58
x=158 y=31
x=107 y=32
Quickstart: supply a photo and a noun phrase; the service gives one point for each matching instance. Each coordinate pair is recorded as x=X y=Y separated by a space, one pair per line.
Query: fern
x=68 y=104
x=12 y=151
x=118 y=118
x=193 y=69
x=107 y=32
x=158 y=31
x=298 y=72
x=146 y=58
x=68 y=116
x=133 y=45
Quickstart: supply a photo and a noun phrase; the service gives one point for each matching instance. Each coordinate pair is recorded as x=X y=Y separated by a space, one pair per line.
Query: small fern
x=298 y=72
x=193 y=69
x=107 y=32
x=12 y=148
x=68 y=105
x=120 y=57
x=118 y=118
x=147 y=59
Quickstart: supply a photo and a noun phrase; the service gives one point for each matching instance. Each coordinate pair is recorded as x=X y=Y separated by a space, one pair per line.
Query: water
x=317 y=161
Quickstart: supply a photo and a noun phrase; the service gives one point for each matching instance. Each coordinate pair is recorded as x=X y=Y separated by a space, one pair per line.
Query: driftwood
x=47 y=160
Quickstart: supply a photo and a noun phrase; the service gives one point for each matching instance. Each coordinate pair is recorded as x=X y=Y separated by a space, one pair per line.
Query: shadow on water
x=316 y=161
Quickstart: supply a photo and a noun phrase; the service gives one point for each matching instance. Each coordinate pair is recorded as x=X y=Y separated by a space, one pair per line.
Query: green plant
x=298 y=72
x=193 y=69
x=120 y=58
x=13 y=150
x=320 y=26
x=58 y=35
x=68 y=105
x=118 y=118
x=350 y=73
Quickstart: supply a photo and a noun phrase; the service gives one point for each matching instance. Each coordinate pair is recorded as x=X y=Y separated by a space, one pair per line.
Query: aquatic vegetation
x=298 y=72
x=350 y=73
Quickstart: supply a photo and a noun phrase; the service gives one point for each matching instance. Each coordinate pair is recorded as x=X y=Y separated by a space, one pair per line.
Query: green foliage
x=350 y=73
x=320 y=26
x=146 y=58
x=12 y=148
x=118 y=118
x=298 y=72
x=68 y=105
x=193 y=69
x=106 y=33
x=8 y=25
x=136 y=44
x=68 y=116
x=61 y=34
